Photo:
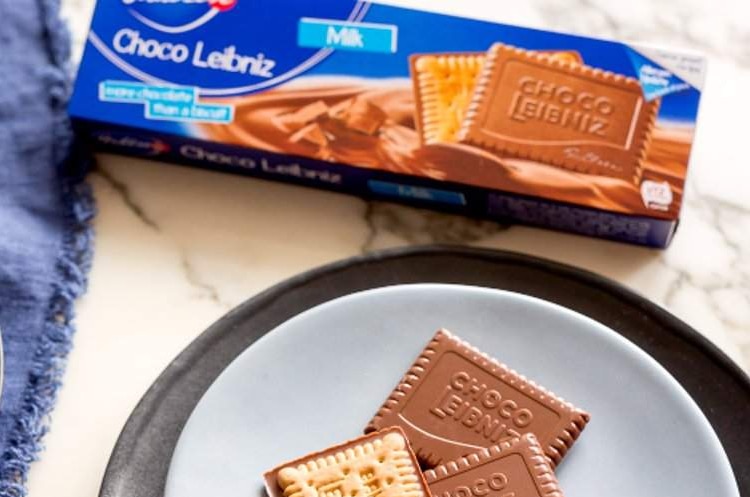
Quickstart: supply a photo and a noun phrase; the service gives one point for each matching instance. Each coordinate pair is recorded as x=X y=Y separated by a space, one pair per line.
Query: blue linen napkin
x=45 y=235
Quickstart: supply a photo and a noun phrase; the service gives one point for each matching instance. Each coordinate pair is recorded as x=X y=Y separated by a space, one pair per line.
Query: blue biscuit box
x=462 y=115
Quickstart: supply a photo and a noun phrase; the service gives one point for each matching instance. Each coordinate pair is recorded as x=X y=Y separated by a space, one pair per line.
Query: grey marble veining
x=720 y=28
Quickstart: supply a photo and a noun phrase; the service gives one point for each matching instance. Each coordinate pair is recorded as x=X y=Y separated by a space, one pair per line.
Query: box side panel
x=375 y=184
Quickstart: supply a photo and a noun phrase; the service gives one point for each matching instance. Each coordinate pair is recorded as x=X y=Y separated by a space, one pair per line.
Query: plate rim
x=116 y=484
x=644 y=361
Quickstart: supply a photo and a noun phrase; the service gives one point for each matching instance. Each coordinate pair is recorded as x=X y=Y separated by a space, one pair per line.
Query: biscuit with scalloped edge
x=455 y=400
x=377 y=465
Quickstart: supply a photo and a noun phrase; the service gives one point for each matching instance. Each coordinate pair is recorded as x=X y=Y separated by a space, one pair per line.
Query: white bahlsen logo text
x=212 y=8
x=214 y=4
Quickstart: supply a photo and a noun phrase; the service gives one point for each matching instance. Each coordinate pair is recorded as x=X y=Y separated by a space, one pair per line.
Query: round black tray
x=141 y=458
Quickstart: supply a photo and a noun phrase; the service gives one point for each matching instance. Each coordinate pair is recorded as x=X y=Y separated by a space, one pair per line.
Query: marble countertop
x=176 y=248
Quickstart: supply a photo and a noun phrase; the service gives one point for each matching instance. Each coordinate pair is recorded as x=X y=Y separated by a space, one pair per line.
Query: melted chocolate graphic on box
x=372 y=126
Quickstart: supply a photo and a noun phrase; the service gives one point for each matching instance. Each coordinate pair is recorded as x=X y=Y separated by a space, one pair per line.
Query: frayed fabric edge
x=55 y=342
x=72 y=266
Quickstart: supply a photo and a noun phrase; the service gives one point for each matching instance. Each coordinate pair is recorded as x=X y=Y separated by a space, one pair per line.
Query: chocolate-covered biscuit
x=376 y=465
x=455 y=400
x=513 y=468
x=569 y=115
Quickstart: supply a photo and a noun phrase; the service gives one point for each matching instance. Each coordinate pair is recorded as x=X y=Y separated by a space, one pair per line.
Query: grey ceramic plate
x=318 y=378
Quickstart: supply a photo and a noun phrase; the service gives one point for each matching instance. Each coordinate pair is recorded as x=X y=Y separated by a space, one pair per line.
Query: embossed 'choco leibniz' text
x=532 y=106
x=514 y=468
x=455 y=400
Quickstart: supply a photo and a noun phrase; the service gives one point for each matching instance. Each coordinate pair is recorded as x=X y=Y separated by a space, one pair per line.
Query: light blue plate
x=318 y=378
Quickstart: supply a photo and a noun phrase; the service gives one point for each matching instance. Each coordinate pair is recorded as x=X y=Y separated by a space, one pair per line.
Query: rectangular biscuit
x=573 y=116
x=444 y=86
x=455 y=400
x=513 y=468
x=380 y=464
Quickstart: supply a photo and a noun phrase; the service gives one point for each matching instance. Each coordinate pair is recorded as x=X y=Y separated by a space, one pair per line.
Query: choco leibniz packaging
x=451 y=113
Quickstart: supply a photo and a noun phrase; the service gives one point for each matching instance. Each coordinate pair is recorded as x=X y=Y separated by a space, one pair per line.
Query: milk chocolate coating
x=456 y=400
x=516 y=467
x=569 y=115
x=379 y=464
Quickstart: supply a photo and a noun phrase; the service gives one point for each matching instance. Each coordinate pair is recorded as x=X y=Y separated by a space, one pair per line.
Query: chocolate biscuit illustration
x=531 y=106
x=444 y=86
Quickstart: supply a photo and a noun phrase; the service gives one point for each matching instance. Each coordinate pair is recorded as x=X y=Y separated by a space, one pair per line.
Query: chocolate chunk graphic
x=301 y=117
x=363 y=116
x=312 y=133
x=455 y=400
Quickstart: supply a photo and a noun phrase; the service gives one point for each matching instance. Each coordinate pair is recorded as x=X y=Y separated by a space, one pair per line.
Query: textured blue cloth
x=44 y=232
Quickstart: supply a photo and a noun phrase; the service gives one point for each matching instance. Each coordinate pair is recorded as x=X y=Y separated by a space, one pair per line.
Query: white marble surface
x=176 y=248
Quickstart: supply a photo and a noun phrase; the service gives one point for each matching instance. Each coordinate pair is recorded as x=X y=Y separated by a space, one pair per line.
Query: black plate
x=142 y=455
